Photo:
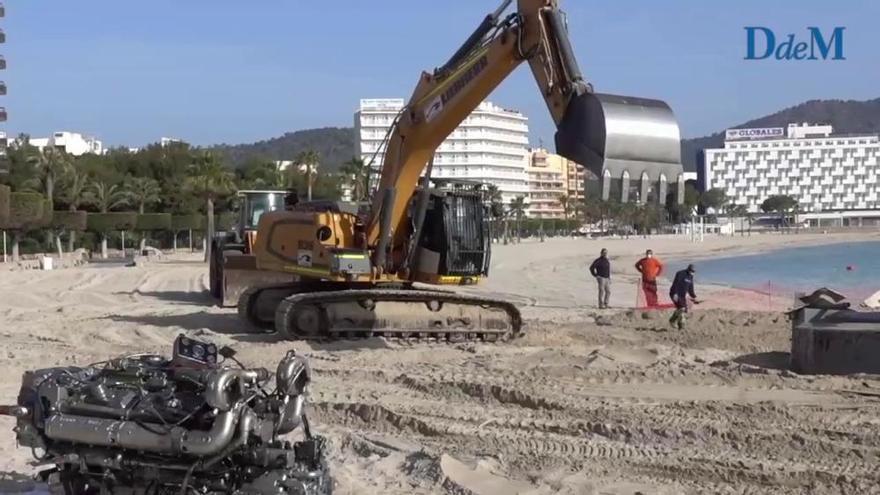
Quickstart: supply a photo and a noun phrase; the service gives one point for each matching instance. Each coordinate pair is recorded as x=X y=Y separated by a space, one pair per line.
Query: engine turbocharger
x=144 y=424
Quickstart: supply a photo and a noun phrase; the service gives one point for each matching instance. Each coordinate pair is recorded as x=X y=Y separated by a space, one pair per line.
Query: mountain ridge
x=336 y=145
x=846 y=116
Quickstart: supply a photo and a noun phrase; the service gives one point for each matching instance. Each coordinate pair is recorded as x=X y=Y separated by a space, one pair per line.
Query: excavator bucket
x=621 y=137
x=240 y=273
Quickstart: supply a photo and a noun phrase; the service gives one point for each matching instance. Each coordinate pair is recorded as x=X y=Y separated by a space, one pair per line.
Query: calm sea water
x=800 y=269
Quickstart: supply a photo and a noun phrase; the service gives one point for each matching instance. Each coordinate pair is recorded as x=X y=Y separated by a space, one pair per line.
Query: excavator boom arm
x=535 y=33
x=340 y=292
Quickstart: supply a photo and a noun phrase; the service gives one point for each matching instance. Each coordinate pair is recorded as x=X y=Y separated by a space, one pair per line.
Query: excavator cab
x=454 y=242
x=253 y=205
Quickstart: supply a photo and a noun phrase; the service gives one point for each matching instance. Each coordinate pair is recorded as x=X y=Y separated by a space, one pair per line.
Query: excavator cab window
x=456 y=230
x=255 y=204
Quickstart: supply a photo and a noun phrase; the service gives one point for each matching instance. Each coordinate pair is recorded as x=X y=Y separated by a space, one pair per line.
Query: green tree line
x=156 y=192
x=509 y=222
x=160 y=191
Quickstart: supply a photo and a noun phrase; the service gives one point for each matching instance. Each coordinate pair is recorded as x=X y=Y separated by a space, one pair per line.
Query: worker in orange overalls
x=650 y=268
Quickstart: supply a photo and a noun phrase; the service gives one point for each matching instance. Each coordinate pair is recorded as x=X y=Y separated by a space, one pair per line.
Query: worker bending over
x=682 y=287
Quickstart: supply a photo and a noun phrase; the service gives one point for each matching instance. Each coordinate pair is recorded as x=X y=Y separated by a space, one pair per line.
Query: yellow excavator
x=358 y=273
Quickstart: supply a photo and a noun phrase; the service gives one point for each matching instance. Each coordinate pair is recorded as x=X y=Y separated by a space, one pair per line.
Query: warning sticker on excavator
x=434 y=109
x=304 y=257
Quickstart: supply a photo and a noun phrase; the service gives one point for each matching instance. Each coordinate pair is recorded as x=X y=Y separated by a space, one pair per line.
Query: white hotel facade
x=833 y=177
x=73 y=143
x=490 y=145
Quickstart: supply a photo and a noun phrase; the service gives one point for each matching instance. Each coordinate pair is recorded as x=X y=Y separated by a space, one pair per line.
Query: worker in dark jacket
x=601 y=270
x=682 y=288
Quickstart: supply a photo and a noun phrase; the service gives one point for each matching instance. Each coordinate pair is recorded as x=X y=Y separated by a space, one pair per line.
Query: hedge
x=69 y=220
x=4 y=204
x=109 y=222
x=187 y=222
x=25 y=211
x=153 y=221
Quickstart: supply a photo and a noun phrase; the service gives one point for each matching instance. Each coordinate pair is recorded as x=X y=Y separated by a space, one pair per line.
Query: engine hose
x=185 y=484
x=245 y=425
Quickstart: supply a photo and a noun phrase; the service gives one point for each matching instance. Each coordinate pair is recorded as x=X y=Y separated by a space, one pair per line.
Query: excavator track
x=396 y=313
x=257 y=305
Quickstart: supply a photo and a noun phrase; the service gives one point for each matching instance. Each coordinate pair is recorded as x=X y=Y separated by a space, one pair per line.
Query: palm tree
x=50 y=163
x=647 y=217
x=210 y=179
x=517 y=209
x=494 y=200
x=357 y=173
x=106 y=198
x=143 y=191
x=310 y=159
x=565 y=203
x=73 y=190
x=598 y=209
x=619 y=216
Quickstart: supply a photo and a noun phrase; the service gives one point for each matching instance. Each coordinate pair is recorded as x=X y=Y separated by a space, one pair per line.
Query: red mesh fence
x=653 y=296
x=769 y=296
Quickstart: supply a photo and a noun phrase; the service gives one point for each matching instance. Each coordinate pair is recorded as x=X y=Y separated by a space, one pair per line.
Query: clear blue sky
x=211 y=71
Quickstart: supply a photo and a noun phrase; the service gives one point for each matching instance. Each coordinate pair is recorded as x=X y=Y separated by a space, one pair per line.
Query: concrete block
x=837 y=342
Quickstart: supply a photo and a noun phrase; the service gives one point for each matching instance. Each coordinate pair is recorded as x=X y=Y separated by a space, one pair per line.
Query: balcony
x=478 y=122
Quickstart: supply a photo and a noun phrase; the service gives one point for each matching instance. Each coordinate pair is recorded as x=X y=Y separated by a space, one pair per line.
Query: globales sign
x=762 y=133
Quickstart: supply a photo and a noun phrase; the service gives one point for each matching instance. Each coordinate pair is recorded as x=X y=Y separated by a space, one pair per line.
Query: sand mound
x=586 y=402
x=747 y=331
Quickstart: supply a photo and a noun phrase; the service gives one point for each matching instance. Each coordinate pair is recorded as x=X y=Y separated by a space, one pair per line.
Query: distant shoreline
x=553 y=274
x=746 y=251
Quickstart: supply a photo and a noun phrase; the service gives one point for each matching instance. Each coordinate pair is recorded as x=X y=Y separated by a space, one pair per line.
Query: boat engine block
x=146 y=424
